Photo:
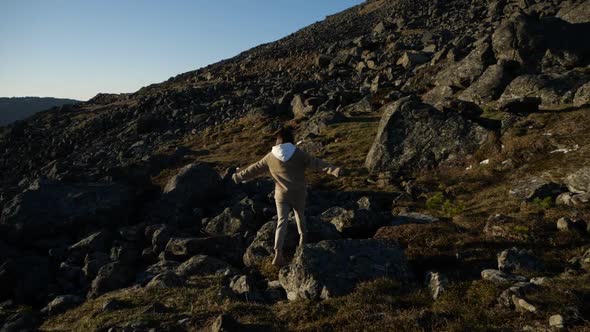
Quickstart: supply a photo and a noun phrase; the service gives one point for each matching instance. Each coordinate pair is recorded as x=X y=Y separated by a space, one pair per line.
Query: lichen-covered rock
x=579 y=181
x=49 y=208
x=413 y=136
x=262 y=247
x=202 y=265
x=333 y=268
x=535 y=187
x=516 y=260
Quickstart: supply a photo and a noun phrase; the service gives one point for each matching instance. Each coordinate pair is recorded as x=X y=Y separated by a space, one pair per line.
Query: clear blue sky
x=77 y=48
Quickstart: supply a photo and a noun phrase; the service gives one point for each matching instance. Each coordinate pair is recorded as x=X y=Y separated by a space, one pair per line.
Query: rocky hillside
x=18 y=108
x=464 y=129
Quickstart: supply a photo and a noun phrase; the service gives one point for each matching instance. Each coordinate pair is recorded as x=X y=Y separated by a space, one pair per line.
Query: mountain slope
x=18 y=108
x=463 y=128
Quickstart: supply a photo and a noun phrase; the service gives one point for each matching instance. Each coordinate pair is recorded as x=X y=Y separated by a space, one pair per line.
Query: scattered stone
x=523 y=305
x=582 y=96
x=202 y=265
x=519 y=290
x=436 y=282
x=498 y=276
x=47 y=208
x=110 y=277
x=557 y=321
x=262 y=247
x=166 y=279
x=535 y=187
x=412 y=58
x=113 y=304
x=333 y=268
x=514 y=260
x=579 y=181
x=62 y=303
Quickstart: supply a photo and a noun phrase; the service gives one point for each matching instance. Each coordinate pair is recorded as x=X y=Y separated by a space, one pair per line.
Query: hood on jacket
x=283 y=152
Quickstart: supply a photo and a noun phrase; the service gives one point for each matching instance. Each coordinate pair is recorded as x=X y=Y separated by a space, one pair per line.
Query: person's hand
x=234 y=177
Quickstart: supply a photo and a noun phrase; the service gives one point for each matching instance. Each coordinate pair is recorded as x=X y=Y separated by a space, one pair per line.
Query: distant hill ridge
x=18 y=108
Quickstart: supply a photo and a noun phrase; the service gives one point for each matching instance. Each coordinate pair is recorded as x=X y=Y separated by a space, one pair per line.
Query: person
x=287 y=164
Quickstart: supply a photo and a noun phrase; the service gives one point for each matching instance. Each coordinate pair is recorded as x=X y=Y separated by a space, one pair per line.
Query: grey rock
x=195 y=185
x=333 y=268
x=413 y=136
x=553 y=90
x=557 y=321
x=353 y=223
x=262 y=247
x=535 y=187
x=412 y=58
x=519 y=289
x=49 y=208
x=436 y=282
x=228 y=248
x=463 y=73
x=300 y=108
x=497 y=276
x=579 y=181
x=230 y=221
x=202 y=265
x=437 y=95
x=582 y=96
x=98 y=241
x=575 y=12
x=62 y=303
x=489 y=86
x=110 y=277
x=518 y=260
x=166 y=279
x=92 y=264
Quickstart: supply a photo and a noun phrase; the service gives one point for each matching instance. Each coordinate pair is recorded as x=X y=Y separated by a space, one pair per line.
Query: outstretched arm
x=251 y=171
x=321 y=166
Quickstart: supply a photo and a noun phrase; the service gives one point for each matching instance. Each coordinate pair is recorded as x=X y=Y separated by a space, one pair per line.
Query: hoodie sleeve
x=253 y=170
x=321 y=166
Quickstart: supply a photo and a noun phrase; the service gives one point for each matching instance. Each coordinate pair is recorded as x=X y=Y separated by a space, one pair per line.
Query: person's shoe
x=279 y=260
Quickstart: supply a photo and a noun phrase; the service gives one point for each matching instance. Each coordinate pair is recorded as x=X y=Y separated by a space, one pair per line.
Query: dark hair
x=285 y=135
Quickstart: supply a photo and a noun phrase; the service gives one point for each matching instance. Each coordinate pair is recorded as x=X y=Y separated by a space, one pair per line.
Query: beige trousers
x=283 y=209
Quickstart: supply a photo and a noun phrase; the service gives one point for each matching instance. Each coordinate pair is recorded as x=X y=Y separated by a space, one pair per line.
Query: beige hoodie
x=287 y=164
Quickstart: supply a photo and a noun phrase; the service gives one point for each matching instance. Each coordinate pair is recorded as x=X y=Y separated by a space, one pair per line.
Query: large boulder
x=553 y=90
x=112 y=276
x=579 y=181
x=525 y=39
x=575 y=11
x=535 y=187
x=50 y=208
x=413 y=136
x=463 y=73
x=195 y=185
x=488 y=86
x=582 y=96
x=262 y=247
x=334 y=268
